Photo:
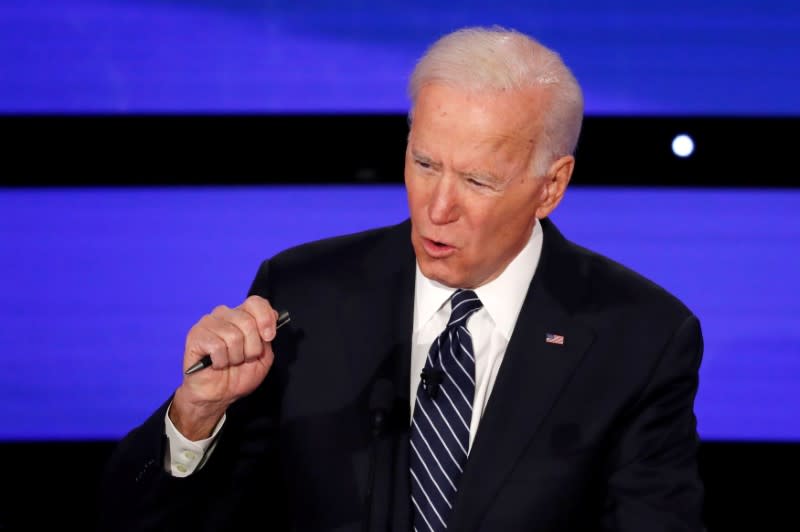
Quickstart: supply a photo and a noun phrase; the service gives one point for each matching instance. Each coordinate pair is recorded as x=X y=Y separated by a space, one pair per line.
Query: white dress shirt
x=490 y=327
x=183 y=455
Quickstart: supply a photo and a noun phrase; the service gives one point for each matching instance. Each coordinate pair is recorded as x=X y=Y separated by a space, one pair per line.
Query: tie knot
x=463 y=304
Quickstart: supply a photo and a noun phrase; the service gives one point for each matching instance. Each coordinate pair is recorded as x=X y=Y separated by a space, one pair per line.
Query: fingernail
x=268 y=334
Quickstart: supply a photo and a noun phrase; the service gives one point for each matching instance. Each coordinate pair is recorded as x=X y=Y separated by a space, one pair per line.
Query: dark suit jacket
x=595 y=434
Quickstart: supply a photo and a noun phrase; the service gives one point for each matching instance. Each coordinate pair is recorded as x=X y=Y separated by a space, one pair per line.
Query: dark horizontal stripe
x=69 y=150
x=746 y=483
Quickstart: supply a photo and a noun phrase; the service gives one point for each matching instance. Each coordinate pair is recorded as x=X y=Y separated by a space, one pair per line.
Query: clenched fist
x=239 y=343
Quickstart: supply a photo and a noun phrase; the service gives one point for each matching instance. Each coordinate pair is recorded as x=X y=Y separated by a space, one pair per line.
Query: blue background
x=100 y=286
x=715 y=57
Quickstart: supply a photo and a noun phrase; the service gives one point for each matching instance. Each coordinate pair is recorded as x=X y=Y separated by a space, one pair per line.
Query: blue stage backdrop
x=733 y=57
x=100 y=287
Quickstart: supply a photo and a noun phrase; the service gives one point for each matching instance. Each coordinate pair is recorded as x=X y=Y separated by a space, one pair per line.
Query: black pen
x=283 y=319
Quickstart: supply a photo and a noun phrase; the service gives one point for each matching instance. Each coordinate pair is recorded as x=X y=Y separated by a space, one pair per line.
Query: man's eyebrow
x=479 y=175
x=422 y=157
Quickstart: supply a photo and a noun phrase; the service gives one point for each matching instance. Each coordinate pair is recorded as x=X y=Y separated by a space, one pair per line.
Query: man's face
x=472 y=195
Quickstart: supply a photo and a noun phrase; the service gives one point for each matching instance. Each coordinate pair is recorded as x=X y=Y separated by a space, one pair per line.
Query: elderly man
x=468 y=369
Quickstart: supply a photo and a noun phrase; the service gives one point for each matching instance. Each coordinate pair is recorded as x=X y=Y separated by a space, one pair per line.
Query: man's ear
x=555 y=184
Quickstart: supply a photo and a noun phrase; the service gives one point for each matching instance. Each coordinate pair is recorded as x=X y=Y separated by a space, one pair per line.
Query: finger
x=265 y=316
x=222 y=325
x=202 y=341
x=252 y=345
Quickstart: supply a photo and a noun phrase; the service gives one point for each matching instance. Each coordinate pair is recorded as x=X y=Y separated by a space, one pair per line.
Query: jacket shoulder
x=349 y=248
x=614 y=279
x=592 y=281
x=348 y=256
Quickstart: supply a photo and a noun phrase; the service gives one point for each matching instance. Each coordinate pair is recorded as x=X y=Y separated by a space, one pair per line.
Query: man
x=469 y=369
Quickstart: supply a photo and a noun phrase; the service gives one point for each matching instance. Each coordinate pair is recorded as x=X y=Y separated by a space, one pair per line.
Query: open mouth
x=437 y=248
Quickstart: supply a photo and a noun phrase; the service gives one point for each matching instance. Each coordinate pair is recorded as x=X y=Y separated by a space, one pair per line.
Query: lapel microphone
x=381 y=402
x=431 y=379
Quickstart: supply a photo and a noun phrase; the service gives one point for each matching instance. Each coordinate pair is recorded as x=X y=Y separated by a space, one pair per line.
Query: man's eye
x=423 y=164
x=477 y=183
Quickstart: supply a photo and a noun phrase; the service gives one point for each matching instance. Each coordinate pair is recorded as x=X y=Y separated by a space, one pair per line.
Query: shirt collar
x=502 y=297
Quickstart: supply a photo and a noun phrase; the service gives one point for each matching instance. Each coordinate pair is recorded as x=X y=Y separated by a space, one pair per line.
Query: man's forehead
x=517 y=110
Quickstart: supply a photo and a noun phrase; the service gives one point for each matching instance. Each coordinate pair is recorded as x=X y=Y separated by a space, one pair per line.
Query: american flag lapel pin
x=551 y=338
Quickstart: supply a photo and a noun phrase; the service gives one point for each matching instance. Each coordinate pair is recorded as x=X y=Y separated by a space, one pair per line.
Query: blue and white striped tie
x=440 y=425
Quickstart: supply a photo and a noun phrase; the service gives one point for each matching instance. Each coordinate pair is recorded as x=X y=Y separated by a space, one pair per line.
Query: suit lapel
x=530 y=379
x=401 y=501
x=376 y=321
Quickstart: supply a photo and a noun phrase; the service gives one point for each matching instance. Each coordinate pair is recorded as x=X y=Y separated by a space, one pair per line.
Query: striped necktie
x=442 y=416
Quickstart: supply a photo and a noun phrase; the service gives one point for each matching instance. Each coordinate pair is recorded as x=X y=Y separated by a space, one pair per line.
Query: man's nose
x=443 y=207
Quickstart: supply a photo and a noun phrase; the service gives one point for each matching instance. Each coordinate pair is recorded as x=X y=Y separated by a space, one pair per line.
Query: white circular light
x=682 y=145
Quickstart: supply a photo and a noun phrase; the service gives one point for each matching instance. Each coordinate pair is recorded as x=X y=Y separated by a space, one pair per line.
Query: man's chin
x=436 y=270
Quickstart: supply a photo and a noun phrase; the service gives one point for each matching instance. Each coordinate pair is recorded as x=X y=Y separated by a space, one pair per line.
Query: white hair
x=496 y=58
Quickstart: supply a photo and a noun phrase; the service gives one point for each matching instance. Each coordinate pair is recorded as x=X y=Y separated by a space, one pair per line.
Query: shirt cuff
x=183 y=455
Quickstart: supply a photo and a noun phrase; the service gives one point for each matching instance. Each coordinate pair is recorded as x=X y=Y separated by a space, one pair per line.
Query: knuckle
x=231 y=333
x=198 y=332
x=257 y=304
x=205 y=321
x=247 y=323
x=254 y=299
x=220 y=310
